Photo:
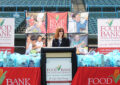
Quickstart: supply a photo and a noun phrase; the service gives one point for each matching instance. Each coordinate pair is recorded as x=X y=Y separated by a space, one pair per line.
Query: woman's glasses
x=60 y=31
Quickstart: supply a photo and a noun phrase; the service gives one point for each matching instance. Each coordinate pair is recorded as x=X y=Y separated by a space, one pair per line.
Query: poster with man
x=35 y=42
x=35 y=22
x=78 y=22
x=80 y=41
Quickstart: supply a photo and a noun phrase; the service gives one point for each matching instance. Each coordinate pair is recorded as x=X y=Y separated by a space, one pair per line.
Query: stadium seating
x=93 y=16
x=36 y=3
x=19 y=18
x=102 y=2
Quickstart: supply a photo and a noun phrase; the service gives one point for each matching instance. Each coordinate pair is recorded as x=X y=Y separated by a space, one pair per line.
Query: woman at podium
x=60 y=40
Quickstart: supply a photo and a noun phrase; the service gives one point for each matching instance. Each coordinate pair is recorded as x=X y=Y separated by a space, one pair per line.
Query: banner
x=35 y=42
x=108 y=35
x=7 y=27
x=97 y=76
x=78 y=22
x=20 y=76
x=35 y=22
x=56 y=20
x=58 y=71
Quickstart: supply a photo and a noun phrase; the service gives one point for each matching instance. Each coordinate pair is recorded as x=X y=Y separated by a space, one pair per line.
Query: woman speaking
x=60 y=40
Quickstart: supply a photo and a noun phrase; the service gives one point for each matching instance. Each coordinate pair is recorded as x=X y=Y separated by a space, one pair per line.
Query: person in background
x=39 y=43
x=44 y=42
x=60 y=40
x=31 y=44
x=28 y=44
x=80 y=26
x=72 y=24
x=41 y=22
x=76 y=42
x=31 y=21
x=33 y=41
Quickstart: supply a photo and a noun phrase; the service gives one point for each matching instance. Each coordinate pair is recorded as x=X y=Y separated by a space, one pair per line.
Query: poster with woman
x=78 y=22
x=80 y=41
x=34 y=43
x=35 y=22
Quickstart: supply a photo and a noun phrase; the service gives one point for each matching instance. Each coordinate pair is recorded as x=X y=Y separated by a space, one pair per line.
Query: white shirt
x=39 y=44
x=29 y=48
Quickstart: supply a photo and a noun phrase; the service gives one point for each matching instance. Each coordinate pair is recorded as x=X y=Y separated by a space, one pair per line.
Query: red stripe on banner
x=59 y=81
x=107 y=50
x=8 y=49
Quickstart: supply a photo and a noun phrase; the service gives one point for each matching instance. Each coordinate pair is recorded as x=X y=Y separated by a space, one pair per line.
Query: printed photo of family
x=78 y=22
x=80 y=41
x=35 y=22
x=35 y=42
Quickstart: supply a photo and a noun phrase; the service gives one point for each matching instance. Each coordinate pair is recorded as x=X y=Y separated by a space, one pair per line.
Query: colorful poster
x=50 y=38
x=80 y=41
x=58 y=71
x=56 y=20
x=35 y=22
x=35 y=42
x=78 y=22
x=108 y=35
x=7 y=27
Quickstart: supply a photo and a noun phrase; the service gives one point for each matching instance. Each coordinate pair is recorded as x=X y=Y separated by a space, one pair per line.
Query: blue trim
x=56 y=8
x=16 y=9
x=102 y=11
x=29 y=8
x=2 y=9
x=104 y=5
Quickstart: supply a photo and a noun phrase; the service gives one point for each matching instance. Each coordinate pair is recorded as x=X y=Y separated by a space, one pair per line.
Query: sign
x=7 y=27
x=59 y=71
x=97 y=76
x=56 y=20
x=108 y=34
x=20 y=76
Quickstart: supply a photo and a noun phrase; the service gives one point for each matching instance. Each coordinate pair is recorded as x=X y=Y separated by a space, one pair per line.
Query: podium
x=58 y=65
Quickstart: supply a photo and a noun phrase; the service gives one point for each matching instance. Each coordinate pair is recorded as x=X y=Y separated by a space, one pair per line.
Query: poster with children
x=35 y=42
x=35 y=22
x=78 y=22
x=80 y=41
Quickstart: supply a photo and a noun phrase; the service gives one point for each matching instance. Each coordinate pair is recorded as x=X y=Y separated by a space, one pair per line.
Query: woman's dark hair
x=38 y=36
x=33 y=37
x=57 y=32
